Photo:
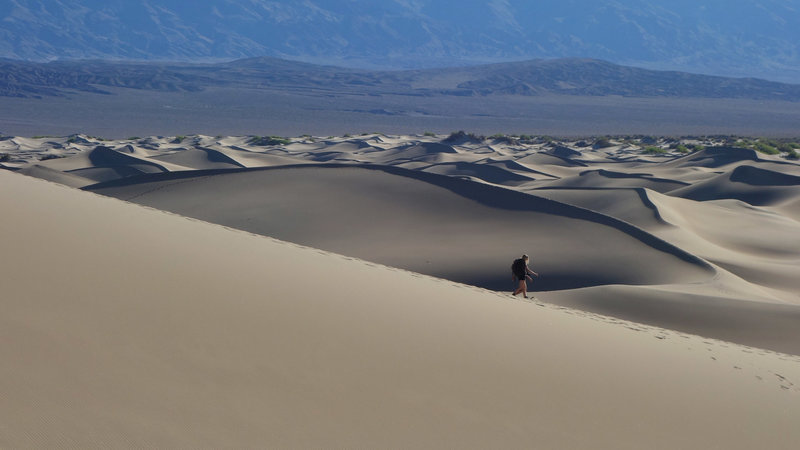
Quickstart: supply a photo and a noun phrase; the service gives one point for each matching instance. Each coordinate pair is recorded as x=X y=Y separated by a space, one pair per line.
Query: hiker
x=520 y=271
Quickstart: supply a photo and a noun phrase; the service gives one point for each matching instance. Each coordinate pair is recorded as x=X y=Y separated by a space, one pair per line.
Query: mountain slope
x=751 y=39
x=581 y=77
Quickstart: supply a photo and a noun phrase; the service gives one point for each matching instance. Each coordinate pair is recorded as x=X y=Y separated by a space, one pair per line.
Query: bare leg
x=523 y=287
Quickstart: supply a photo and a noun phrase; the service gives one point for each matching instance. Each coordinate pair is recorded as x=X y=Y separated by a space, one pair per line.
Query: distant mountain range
x=579 y=77
x=731 y=38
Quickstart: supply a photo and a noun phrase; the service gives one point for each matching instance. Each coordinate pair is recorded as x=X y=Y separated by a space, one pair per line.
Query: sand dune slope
x=200 y=158
x=756 y=186
x=707 y=238
x=56 y=176
x=601 y=178
x=756 y=244
x=457 y=229
x=469 y=232
x=104 y=163
x=130 y=327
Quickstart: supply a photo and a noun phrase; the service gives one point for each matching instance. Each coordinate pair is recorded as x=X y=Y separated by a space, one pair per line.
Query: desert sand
x=704 y=242
x=355 y=292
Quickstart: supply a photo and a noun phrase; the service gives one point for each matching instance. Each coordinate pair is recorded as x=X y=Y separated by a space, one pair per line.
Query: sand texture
x=355 y=292
x=705 y=242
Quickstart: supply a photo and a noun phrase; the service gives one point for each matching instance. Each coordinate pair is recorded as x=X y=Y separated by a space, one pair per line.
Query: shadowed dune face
x=483 y=172
x=103 y=163
x=605 y=178
x=716 y=157
x=200 y=159
x=756 y=186
x=455 y=229
x=755 y=176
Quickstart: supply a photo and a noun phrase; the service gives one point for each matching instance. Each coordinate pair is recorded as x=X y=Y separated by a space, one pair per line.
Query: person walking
x=520 y=271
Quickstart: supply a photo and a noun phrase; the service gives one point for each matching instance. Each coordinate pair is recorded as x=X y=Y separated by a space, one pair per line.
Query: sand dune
x=790 y=208
x=711 y=311
x=103 y=163
x=606 y=178
x=667 y=232
x=131 y=327
x=457 y=229
x=756 y=244
x=484 y=172
x=416 y=150
x=715 y=157
x=759 y=187
x=201 y=158
x=56 y=176
x=550 y=159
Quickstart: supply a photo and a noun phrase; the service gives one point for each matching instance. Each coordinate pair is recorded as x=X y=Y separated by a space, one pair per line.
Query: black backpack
x=518 y=268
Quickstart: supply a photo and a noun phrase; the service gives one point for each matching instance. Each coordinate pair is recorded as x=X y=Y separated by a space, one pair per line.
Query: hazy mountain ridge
x=25 y=79
x=749 y=38
x=581 y=77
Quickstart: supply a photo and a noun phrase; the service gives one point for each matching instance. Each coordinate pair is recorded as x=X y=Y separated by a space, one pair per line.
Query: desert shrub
x=771 y=142
x=792 y=154
x=680 y=148
x=503 y=138
x=178 y=139
x=787 y=146
x=765 y=148
x=429 y=134
x=455 y=136
x=652 y=150
x=463 y=135
x=697 y=148
x=268 y=140
x=49 y=156
x=134 y=138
